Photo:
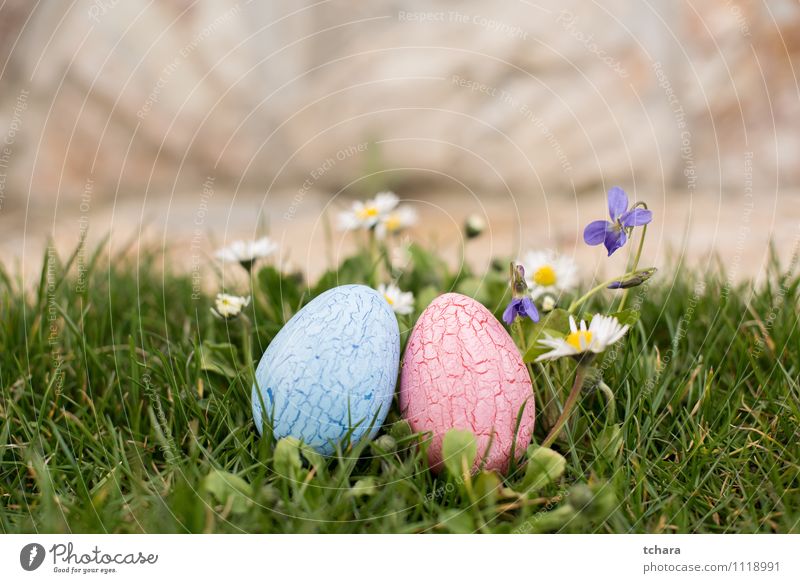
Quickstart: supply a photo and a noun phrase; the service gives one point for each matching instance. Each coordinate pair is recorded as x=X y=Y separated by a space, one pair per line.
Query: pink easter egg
x=462 y=370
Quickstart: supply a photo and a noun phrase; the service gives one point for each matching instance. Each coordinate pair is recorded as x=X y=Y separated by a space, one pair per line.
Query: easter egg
x=330 y=369
x=461 y=370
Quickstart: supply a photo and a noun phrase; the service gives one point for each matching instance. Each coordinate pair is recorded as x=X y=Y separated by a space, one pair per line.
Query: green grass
x=122 y=403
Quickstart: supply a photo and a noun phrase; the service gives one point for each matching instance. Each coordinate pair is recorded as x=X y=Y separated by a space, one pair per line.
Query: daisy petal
x=617 y=202
x=595 y=232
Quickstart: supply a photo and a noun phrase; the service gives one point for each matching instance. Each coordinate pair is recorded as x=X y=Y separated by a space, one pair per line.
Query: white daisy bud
x=474 y=226
x=548 y=303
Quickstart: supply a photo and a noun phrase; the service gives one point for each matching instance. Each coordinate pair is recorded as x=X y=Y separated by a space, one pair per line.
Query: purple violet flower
x=521 y=304
x=613 y=234
x=520 y=307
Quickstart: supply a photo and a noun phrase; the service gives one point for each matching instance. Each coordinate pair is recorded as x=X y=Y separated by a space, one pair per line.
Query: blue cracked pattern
x=333 y=366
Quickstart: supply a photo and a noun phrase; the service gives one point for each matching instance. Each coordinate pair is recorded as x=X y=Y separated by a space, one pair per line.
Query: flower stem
x=520 y=334
x=522 y=343
x=374 y=258
x=635 y=266
x=580 y=375
x=248 y=348
x=262 y=299
x=610 y=406
x=574 y=305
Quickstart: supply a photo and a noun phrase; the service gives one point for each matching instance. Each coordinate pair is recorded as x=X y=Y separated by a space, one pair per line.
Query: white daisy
x=601 y=333
x=367 y=214
x=549 y=272
x=247 y=252
x=229 y=306
x=396 y=221
x=400 y=301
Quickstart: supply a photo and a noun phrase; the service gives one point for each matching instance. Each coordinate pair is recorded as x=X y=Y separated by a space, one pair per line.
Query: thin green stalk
x=610 y=402
x=516 y=327
x=522 y=342
x=374 y=257
x=574 y=305
x=580 y=375
x=261 y=299
x=634 y=268
x=248 y=348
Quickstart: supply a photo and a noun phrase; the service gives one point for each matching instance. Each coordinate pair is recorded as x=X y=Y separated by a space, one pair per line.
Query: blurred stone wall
x=137 y=98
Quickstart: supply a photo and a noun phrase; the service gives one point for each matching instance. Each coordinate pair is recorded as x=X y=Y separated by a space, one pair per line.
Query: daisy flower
x=550 y=273
x=396 y=221
x=228 y=306
x=401 y=302
x=600 y=334
x=367 y=214
x=247 y=252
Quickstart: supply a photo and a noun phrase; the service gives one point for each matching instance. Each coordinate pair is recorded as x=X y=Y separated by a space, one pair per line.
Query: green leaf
x=459 y=449
x=312 y=456
x=429 y=268
x=563 y=517
x=286 y=458
x=474 y=288
x=487 y=290
x=629 y=316
x=595 y=501
x=544 y=467
x=400 y=430
x=278 y=290
x=229 y=488
x=609 y=442
x=457 y=521
x=486 y=486
x=555 y=323
x=355 y=269
x=218 y=358
x=425 y=297
x=327 y=280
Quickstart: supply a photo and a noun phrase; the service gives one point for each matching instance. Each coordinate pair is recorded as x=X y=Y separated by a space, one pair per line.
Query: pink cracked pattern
x=462 y=370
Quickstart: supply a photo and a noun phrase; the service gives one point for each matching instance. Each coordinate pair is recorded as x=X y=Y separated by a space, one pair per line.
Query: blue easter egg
x=331 y=368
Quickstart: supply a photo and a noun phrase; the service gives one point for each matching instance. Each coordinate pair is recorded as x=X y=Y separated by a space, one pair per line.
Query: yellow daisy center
x=388 y=299
x=392 y=223
x=368 y=212
x=574 y=339
x=545 y=276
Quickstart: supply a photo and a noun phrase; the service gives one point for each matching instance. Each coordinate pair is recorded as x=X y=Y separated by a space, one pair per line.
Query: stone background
x=116 y=114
